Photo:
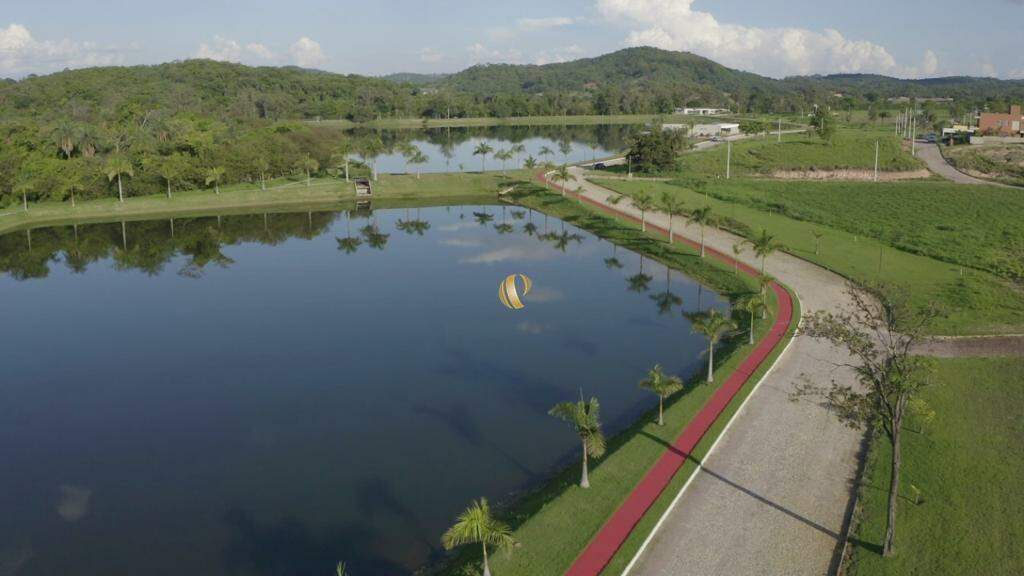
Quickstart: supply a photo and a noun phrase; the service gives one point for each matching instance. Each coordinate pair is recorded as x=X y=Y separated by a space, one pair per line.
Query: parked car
x=931 y=138
x=600 y=166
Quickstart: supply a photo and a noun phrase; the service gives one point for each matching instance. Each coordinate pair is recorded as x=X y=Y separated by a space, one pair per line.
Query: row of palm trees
x=483 y=149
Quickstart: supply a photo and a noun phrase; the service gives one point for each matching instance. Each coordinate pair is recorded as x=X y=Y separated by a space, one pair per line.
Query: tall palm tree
x=545 y=151
x=639 y=282
x=764 y=244
x=340 y=156
x=565 y=147
x=765 y=280
x=476 y=525
x=482 y=150
x=585 y=419
x=672 y=206
x=712 y=324
x=662 y=385
x=214 y=176
x=504 y=156
x=369 y=149
x=66 y=134
x=666 y=300
x=418 y=159
x=516 y=150
x=703 y=217
x=118 y=166
x=530 y=163
x=643 y=202
x=753 y=304
x=349 y=244
x=818 y=234
x=562 y=175
x=737 y=250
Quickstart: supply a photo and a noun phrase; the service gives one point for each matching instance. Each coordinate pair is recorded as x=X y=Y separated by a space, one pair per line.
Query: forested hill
x=966 y=88
x=204 y=87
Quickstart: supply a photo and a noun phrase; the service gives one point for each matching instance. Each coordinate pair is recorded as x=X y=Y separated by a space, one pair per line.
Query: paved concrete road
x=773 y=496
x=932 y=156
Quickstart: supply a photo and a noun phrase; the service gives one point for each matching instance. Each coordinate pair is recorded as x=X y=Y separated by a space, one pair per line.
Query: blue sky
x=909 y=38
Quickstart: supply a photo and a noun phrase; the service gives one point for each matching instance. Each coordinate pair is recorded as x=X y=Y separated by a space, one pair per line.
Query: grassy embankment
x=280 y=193
x=967 y=465
x=556 y=522
x=998 y=162
x=961 y=235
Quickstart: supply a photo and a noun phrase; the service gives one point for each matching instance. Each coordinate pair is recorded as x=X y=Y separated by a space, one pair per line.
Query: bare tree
x=880 y=335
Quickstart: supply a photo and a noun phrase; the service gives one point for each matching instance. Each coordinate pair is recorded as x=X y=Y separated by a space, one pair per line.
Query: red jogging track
x=609 y=539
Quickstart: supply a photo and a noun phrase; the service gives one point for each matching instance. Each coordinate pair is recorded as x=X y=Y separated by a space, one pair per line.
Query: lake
x=273 y=393
x=447 y=149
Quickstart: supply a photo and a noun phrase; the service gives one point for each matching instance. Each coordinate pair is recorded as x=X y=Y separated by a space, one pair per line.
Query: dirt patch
x=958 y=347
x=849 y=174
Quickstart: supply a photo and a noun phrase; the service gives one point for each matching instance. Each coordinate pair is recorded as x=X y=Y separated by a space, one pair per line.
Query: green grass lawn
x=555 y=523
x=909 y=215
x=1000 y=162
x=853 y=149
x=280 y=193
x=968 y=465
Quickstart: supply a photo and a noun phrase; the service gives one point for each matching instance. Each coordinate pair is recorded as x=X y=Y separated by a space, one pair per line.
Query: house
x=720 y=129
x=701 y=111
x=1011 y=124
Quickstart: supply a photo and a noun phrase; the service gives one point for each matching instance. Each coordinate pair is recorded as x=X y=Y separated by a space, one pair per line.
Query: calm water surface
x=269 y=394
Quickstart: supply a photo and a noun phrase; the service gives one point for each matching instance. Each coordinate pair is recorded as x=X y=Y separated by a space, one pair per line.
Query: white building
x=720 y=129
x=701 y=111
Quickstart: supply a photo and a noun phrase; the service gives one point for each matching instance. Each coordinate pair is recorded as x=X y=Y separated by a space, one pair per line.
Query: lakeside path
x=773 y=495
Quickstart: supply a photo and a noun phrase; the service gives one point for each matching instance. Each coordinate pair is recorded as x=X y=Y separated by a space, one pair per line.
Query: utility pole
x=913 y=136
x=728 y=159
x=876 y=160
x=780 y=129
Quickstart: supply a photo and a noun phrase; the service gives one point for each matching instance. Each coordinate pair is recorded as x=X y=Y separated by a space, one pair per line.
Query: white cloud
x=533 y=24
x=21 y=53
x=1016 y=74
x=675 y=25
x=227 y=50
x=307 y=53
x=480 y=54
x=988 y=70
x=430 y=55
x=558 y=55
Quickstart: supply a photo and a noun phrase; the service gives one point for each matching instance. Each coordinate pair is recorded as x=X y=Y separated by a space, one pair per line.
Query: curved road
x=773 y=495
x=932 y=156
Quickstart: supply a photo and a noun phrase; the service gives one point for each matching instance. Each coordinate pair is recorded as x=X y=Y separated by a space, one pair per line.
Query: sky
x=778 y=38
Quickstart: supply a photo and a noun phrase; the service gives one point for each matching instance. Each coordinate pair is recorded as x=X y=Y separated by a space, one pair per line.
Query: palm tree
x=419 y=158
x=476 y=525
x=369 y=149
x=530 y=163
x=712 y=324
x=666 y=300
x=737 y=250
x=118 y=166
x=66 y=134
x=565 y=147
x=643 y=202
x=504 y=156
x=308 y=165
x=562 y=175
x=585 y=419
x=640 y=282
x=703 y=217
x=341 y=154
x=763 y=245
x=754 y=304
x=349 y=244
x=516 y=150
x=672 y=206
x=482 y=150
x=765 y=280
x=545 y=151
x=169 y=168
x=341 y=569
x=662 y=385
x=214 y=176
x=818 y=234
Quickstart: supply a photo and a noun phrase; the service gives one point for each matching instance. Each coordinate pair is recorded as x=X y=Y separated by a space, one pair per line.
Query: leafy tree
x=713 y=325
x=662 y=385
x=880 y=333
x=482 y=150
x=824 y=124
x=643 y=202
x=673 y=206
x=585 y=418
x=214 y=176
x=476 y=525
x=118 y=166
x=657 y=150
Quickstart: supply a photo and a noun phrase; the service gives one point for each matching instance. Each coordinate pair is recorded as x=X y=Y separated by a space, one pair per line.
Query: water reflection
x=273 y=392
